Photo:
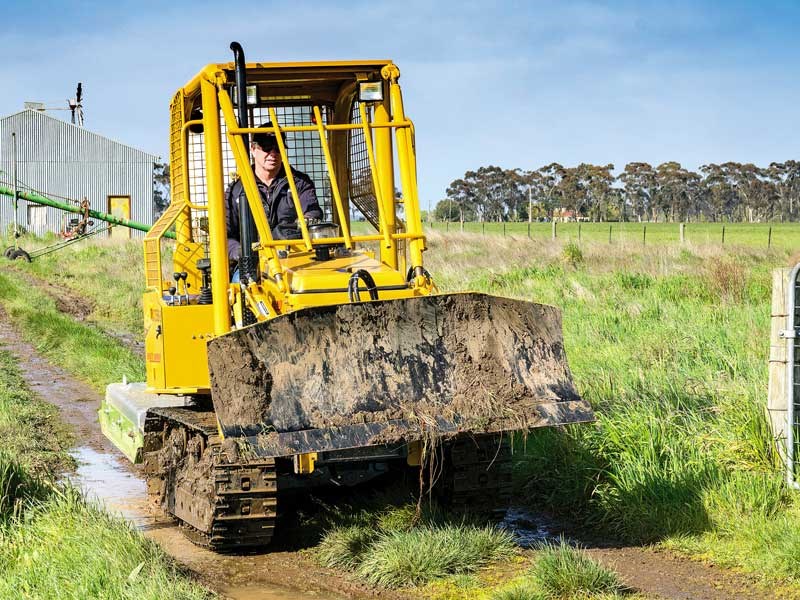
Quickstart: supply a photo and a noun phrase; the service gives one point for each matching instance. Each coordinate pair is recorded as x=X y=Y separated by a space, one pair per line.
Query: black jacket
x=278 y=205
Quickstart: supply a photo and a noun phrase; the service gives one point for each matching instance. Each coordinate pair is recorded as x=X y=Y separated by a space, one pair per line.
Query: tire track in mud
x=106 y=474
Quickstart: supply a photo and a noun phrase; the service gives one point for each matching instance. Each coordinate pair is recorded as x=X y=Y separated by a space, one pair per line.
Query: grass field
x=669 y=342
x=631 y=236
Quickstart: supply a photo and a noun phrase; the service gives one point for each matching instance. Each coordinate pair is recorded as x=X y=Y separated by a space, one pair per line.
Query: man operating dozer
x=273 y=186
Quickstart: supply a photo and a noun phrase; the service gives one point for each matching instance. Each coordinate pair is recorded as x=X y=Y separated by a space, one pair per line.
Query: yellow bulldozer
x=326 y=359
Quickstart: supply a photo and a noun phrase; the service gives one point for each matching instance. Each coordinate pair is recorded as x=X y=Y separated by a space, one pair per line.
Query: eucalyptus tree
x=785 y=177
x=639 y=184
x=551 y=176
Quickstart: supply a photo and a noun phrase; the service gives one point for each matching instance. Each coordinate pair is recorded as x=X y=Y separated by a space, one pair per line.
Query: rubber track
x=244 y=505
x=478 y=476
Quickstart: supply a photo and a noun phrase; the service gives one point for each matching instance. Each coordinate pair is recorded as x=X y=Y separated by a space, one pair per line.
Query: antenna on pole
x=76 y=107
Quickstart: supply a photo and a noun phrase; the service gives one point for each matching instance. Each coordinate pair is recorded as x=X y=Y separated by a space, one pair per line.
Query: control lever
x=177 y=278
x=186 y=286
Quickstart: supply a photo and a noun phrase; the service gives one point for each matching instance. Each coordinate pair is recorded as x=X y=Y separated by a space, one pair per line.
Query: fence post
x=483 y=227
x=769 y=238
x=504 y=229
x=683 y=232
x=529 y=230
x=723 y=234
x=579 y=232
x=644 y=235
x=555 y=233
x=609 y=234
x=447 y=225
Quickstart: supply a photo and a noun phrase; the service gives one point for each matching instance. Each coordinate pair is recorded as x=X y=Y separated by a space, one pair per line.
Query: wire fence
x=763 y=235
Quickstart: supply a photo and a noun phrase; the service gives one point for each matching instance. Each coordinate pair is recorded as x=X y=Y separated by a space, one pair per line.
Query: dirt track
x=289 y=574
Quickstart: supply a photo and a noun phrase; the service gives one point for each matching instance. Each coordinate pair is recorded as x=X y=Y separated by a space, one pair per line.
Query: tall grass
x=32 y=436
x=670 y=346
x=108 y=273
x=66 y=548
x=17 y=489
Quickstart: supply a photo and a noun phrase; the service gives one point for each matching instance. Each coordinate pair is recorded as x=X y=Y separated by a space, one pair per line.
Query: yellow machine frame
x=176 y=335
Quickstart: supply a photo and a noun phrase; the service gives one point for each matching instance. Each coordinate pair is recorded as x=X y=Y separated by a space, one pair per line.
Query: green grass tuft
x=345 y=547
x=422 y=554
x=561 y=571
x=572 y=254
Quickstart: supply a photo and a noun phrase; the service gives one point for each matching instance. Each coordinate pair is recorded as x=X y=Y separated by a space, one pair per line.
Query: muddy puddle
x=528 y=528
x=104 y=480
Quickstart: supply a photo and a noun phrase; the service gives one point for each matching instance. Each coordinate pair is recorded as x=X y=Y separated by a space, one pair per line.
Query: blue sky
x=517 y=84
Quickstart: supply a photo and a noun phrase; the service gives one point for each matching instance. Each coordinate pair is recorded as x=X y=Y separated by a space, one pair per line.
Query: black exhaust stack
x=248 y=261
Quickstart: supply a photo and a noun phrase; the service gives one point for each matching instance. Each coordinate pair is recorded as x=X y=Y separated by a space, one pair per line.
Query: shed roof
x=35 y=116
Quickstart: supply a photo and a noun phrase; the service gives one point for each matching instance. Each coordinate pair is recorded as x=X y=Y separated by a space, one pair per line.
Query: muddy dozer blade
x=379 y=372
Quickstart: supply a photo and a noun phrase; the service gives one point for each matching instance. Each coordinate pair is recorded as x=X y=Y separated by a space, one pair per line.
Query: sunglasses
x=268 y=146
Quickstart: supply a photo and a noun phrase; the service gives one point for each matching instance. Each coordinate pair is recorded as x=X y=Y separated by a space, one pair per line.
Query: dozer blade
x=351 y=375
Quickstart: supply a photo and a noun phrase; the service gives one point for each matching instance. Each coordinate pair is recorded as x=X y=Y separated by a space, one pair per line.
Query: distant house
x=564 y=214
x=66 y=163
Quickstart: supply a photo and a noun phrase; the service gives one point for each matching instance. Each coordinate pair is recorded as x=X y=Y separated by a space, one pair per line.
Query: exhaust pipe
x=248 y=261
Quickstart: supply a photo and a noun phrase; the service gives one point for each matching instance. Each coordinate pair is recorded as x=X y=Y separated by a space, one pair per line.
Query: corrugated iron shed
x=63 y=161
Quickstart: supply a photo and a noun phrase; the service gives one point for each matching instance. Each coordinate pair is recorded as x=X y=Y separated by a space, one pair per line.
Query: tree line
x=668 y=192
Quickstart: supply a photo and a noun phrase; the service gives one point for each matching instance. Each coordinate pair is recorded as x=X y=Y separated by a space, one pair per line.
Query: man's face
x=267 y=155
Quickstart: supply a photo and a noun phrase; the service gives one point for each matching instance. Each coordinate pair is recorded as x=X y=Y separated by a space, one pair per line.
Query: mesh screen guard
x=305 y=154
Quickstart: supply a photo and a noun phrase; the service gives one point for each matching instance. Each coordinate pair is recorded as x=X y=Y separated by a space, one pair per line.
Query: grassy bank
x=81 y=349
x=53 y=544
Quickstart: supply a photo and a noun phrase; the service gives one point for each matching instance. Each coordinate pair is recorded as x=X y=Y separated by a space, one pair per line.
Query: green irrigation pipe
x=38 y=199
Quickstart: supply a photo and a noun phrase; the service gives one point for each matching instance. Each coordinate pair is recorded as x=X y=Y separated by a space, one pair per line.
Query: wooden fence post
x=683 y=232
x=529 y=230
x=555 y=233
x=769 y=238
x=579 y=232
x=644 y=235
x=609 y=234
x=723 y=235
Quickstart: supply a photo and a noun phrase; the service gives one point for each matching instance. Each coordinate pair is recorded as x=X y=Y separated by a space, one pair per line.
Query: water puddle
x=528 y=528
x=104 y=480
